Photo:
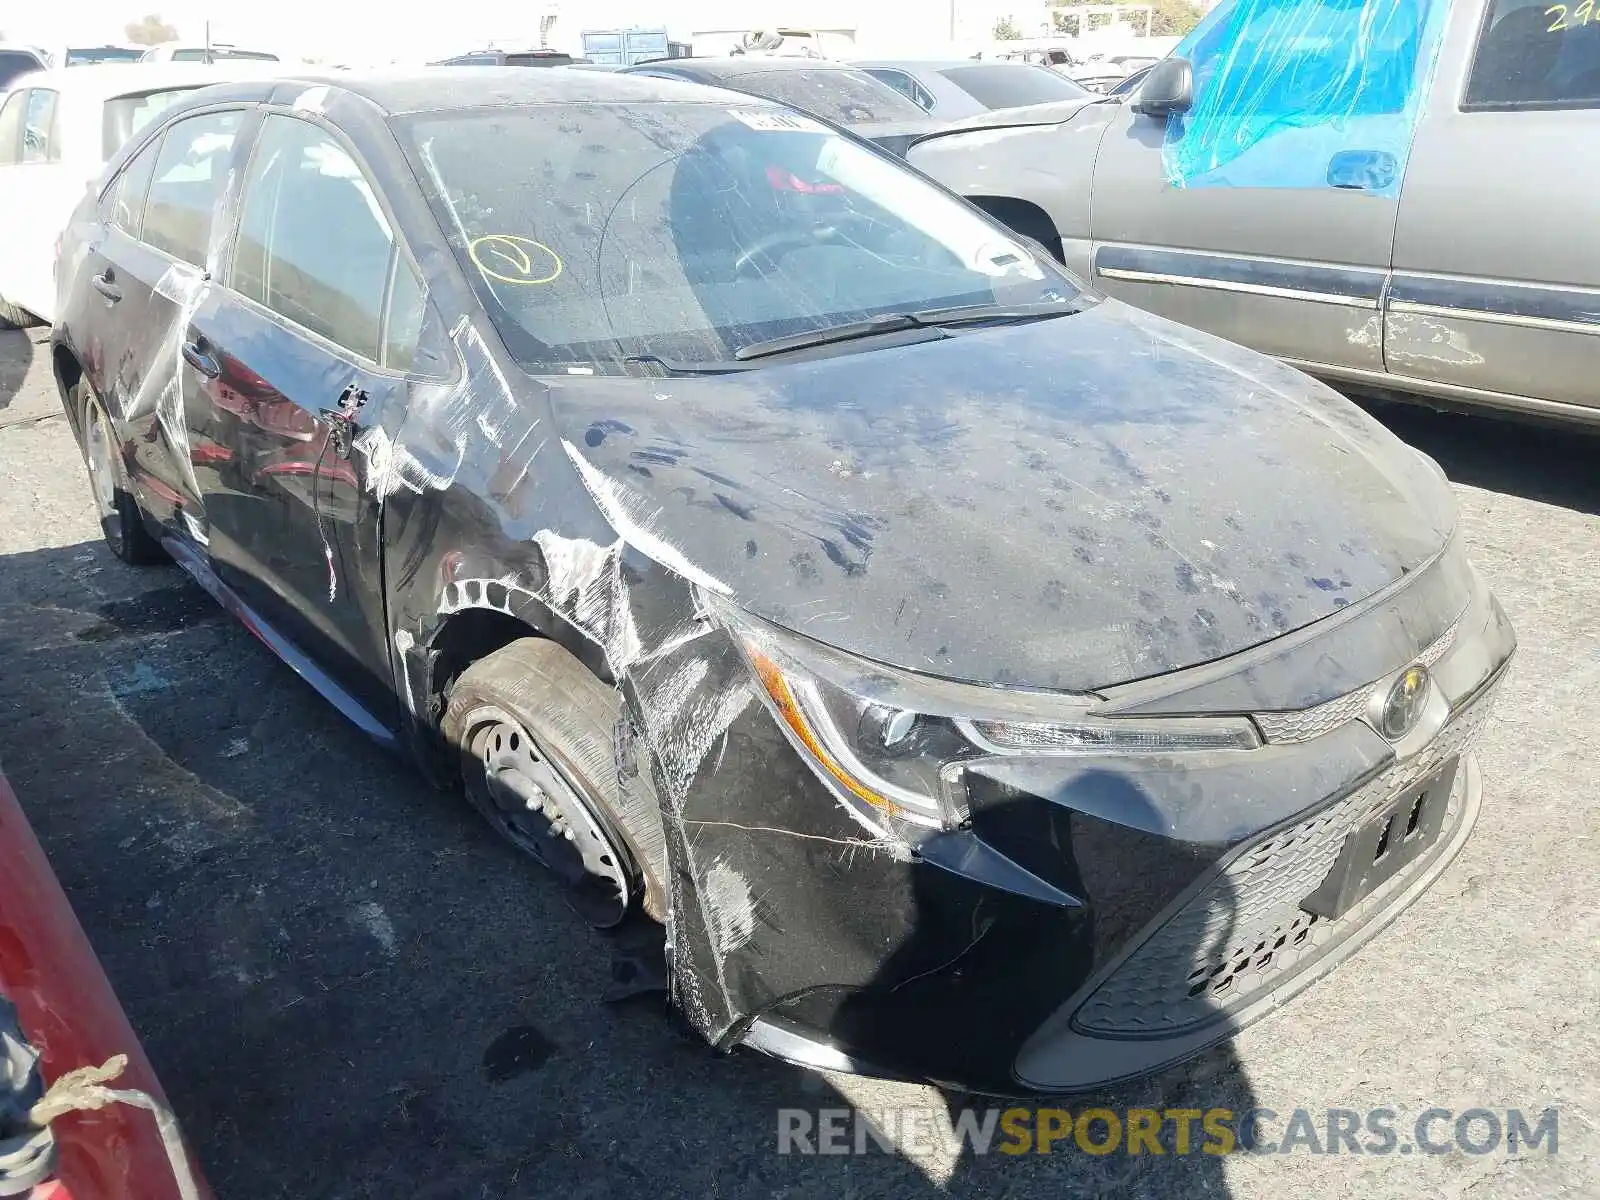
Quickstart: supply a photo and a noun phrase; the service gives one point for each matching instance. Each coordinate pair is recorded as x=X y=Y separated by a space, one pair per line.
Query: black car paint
x=891 y=502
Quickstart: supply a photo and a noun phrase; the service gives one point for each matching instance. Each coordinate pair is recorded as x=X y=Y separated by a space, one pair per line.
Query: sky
x=364 y=31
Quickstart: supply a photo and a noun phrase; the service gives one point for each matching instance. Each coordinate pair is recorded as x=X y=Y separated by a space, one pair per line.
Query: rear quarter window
x=128 y=194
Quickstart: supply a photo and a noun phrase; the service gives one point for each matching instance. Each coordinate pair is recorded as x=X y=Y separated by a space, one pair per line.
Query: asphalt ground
x=350 y=988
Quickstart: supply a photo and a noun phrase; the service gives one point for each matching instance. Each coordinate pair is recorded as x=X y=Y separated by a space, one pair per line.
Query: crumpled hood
x=1068 y=504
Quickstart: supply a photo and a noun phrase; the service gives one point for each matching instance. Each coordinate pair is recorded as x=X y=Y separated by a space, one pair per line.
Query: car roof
x=745 y=64
x=929 y=64
x=433 y=89
x=105 y=80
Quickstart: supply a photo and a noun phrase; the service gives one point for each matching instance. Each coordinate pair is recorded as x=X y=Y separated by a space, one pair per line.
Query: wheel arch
x=476 y=617
x=69 y=373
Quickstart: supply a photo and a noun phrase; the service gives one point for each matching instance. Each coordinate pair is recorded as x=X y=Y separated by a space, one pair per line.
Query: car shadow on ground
x=16 y=356
x=1550 y=463
x=349 y=986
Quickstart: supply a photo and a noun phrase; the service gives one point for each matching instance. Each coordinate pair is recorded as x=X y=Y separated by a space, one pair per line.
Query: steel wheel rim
x=97 y=454
x=534 y=804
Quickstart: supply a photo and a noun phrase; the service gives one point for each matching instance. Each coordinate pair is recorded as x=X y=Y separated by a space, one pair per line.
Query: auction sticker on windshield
x=774 y=120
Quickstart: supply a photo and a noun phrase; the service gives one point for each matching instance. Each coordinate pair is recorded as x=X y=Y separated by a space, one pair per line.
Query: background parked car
x=962 y=87
x=191 y=53
x=834 y=91
x=1285 y=226
x=82 y=56
x=57 y=129
x=59 y=1014
x=511 y=58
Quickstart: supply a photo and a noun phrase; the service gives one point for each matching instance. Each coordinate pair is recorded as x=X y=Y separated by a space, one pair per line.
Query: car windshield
x=126 y=115
x=103 y=54
x=14 y=63
x=843 y=97
x=599 y=232
x=1013 y=85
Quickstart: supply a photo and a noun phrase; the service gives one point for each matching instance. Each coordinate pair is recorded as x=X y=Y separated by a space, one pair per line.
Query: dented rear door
x=154 y=286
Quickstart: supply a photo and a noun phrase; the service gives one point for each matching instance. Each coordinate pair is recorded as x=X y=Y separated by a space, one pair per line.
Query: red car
x=58 y=1015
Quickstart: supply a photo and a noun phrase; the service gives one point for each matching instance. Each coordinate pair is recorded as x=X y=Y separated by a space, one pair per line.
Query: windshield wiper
x=895 y=322
x=654 y=364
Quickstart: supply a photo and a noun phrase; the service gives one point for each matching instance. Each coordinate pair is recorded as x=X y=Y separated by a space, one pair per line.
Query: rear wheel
x=120 y=518
x=536 y=731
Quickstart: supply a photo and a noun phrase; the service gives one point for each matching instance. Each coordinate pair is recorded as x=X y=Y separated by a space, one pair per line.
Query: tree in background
x=1173 y=18
x=1005 y=30
x=150 y=31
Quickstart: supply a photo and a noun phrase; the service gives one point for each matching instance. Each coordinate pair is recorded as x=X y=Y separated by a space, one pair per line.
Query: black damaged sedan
x=974 y=679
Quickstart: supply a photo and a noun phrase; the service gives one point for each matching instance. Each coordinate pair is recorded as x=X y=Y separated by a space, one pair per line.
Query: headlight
x=894 y=746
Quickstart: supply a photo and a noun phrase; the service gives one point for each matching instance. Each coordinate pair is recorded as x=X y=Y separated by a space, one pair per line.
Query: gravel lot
x=350 y=988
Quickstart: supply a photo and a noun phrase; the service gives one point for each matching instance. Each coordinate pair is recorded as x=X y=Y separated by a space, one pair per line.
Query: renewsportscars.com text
x=1178 y=1131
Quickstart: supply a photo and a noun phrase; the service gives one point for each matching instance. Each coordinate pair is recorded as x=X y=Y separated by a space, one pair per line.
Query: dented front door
x=297 y=355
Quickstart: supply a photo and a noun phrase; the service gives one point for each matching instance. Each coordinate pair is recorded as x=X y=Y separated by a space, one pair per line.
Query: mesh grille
x=1304 y=724
x=1245 y=931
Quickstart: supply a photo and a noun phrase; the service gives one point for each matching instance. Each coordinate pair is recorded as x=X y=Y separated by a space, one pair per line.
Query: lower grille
x=1244 y=933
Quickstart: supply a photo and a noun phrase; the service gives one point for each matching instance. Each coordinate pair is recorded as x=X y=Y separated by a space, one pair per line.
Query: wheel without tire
x=536 y=733
x=121 y=520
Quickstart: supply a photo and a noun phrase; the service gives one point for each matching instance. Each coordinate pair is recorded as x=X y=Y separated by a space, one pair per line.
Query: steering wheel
x=776 y=245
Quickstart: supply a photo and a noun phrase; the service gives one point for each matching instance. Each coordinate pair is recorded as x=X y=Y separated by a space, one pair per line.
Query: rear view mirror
x=1169 y=88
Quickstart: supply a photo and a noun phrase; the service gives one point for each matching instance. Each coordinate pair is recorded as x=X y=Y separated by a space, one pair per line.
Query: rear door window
x=40 y=137
x=189 y=175
x=314 y=245
x=1536 y=55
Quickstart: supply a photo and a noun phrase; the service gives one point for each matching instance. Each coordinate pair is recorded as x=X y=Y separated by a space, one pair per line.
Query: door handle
x=105 y=284
x=1362 y=170
x=341 y=421
x=195 y=355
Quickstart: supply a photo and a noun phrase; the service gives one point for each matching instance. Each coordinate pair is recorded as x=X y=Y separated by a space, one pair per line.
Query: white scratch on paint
x=728 y=907
x=377 y=923
x=627 y=515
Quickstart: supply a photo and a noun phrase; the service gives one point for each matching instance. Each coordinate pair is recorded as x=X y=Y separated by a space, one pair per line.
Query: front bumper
x=1100 y=919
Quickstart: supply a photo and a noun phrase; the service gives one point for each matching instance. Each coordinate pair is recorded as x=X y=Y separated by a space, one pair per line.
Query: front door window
x=1305 y=94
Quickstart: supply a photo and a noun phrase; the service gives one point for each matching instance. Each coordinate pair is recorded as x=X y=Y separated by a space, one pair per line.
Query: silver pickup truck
x=1393 y=194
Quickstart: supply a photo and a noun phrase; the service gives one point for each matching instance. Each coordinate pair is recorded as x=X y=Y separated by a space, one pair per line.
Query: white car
x=181 y=52
x=57 y=129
